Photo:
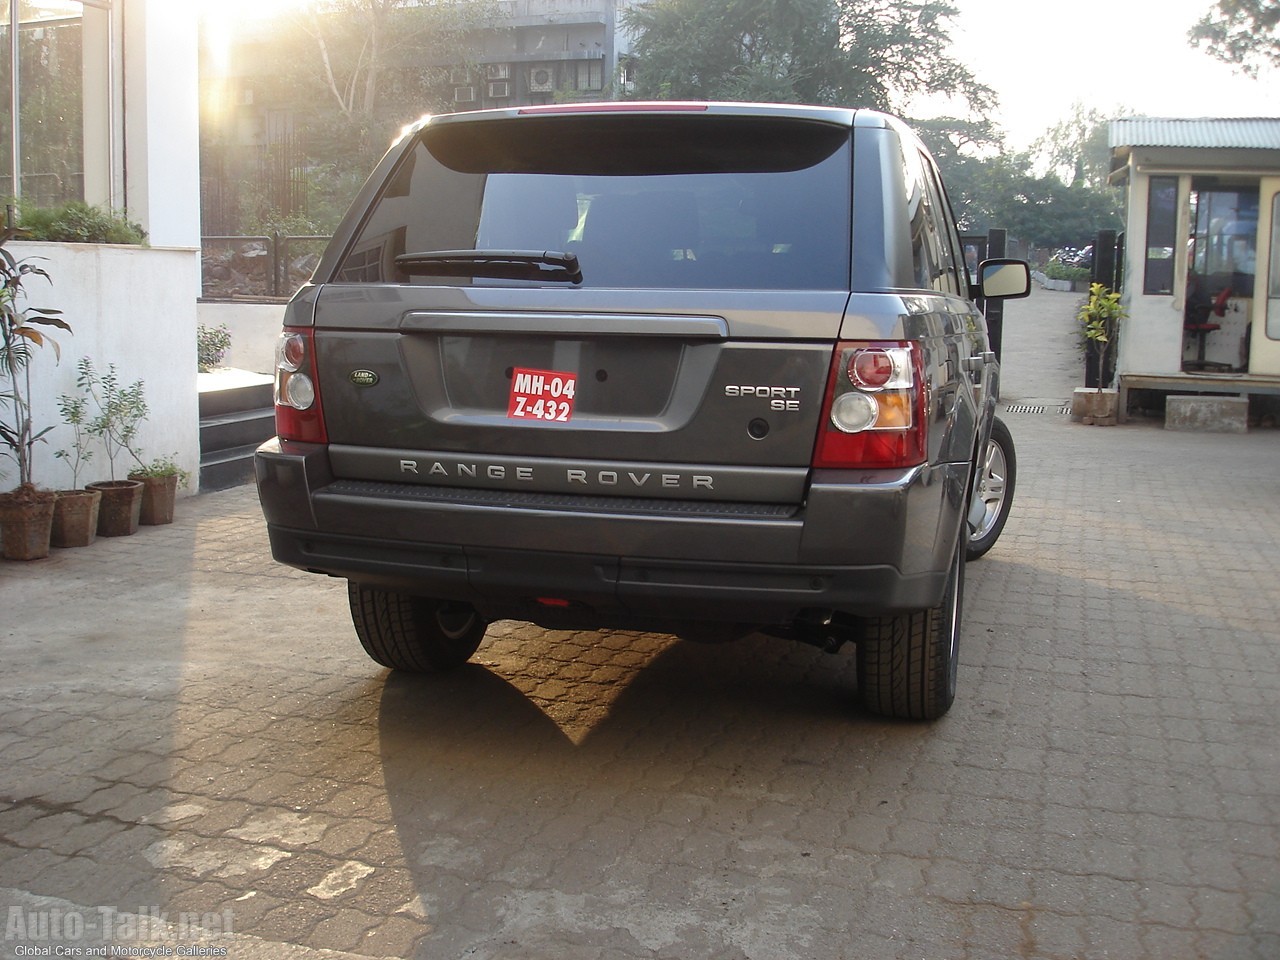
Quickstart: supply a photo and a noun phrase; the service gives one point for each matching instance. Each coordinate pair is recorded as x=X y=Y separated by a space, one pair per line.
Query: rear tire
x=907 y=662
x=997 y=471
x=414 y=634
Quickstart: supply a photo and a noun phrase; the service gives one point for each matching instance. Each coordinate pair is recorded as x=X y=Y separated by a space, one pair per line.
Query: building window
x=1162 y=234
x=589 y=75
x=43 y=154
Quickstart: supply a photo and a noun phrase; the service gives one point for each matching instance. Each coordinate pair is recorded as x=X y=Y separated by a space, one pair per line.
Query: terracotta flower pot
x=121 y=508
x=75 y=518
x=1099 y=407
x=26 y=520
x=158 y=497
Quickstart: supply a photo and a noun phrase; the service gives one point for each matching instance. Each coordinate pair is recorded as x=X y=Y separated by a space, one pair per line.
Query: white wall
x=162 y=120
x=131 y=306
x=254 y=329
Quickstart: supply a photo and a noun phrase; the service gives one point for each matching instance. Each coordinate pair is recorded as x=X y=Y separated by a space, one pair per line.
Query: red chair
x=1200 y=323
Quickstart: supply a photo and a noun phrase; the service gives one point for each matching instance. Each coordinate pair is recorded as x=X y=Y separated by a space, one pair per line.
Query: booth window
x=1273 y=282
x=1162 y=234
x=1224 y=247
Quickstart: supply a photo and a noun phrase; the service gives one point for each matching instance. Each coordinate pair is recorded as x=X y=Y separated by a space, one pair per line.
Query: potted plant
x=160 y=479
x=212 y=344
x=1100 y=317
x=117 y=410
x=26 y=513
x=75 y=512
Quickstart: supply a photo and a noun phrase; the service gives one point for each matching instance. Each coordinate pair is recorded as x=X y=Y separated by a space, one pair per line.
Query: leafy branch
x=120 y=411
x=19 y=336
x=1100 y=317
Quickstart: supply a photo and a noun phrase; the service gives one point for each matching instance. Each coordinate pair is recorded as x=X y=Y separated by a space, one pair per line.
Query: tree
x=1063 y=207
x=367 y=67
x=1077 y=146
x=335 y=82
x=952 y=139
x=872 y=53
x=1244 y=33
x=1002 y=191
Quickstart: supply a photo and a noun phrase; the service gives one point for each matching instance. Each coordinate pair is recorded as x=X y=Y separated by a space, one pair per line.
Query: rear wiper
x=503 y=264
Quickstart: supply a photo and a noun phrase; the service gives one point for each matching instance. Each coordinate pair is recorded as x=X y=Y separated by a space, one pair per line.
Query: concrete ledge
x=1069 y=286
x=1207 y=413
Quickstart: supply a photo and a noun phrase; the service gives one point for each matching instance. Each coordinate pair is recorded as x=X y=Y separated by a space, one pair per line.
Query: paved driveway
x=195 y=754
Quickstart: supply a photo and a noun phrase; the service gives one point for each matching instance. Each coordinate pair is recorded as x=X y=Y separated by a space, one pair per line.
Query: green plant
x=1057 y=270
x=1100 y=316
x=161 y=467
x=75 y=413
x=18 y=339
x=120 y=410
x=212 y=344
x=77 y=222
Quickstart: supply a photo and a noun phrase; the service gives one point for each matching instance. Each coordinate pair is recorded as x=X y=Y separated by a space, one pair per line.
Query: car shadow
x=566 y=810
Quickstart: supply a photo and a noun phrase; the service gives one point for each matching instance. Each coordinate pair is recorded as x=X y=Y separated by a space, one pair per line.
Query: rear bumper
x=861 y=543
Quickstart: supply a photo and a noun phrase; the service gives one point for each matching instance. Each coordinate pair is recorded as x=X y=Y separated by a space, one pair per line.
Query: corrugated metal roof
x=1260 y=133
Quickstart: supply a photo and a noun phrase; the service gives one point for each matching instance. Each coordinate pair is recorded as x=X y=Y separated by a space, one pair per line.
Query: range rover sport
x=707 y=369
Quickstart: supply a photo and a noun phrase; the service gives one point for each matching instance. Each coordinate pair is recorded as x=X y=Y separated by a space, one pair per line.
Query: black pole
x=1103 y=271
x=996 y=244
x=1104 y=259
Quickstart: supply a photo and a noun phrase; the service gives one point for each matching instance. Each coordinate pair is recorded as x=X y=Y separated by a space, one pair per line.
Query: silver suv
x=707 y=369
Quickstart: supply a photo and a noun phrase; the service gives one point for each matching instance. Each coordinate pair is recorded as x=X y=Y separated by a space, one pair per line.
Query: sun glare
x=219 y=20
x=247 y=9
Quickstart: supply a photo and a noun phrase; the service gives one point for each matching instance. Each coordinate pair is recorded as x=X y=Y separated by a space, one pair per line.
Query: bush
x=1056 y=270
x=77 y=222
x=212 y=344
x=161 y=467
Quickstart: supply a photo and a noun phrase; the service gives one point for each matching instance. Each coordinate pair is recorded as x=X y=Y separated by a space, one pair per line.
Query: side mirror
x=1003 y=279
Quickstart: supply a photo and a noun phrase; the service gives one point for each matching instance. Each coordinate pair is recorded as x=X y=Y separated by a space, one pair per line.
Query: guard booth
x=1202 y=260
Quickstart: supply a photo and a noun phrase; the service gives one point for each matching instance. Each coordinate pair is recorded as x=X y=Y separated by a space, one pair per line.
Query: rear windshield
x=674 y=202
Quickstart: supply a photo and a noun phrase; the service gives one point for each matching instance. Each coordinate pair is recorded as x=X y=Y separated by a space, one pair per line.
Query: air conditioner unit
x=497 y=71
x=499 y=90
x=464 y=94
x=542 y=80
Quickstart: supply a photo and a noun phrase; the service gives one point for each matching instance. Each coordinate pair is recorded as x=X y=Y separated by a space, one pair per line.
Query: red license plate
x=542 y=395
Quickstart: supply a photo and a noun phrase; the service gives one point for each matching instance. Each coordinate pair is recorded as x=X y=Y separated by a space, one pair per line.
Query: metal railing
x=255 y=268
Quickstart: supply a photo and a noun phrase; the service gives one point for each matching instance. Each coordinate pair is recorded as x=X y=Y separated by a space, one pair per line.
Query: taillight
x=874 y=412
x=297 y=394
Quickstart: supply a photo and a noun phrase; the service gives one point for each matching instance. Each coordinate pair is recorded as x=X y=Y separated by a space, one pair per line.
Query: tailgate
x=598 y=401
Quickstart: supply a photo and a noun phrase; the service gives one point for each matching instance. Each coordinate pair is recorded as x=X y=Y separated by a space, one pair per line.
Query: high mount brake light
x=297 y=395
x=635 y=106
x=874 y=412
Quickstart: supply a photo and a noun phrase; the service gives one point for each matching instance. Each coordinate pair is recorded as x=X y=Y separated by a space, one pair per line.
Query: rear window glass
x=705 y=202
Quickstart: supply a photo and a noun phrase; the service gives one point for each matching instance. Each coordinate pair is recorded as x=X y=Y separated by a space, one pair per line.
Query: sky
x=1041 y=58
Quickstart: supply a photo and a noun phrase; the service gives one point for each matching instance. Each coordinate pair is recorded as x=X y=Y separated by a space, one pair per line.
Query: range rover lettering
x=708 y=369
